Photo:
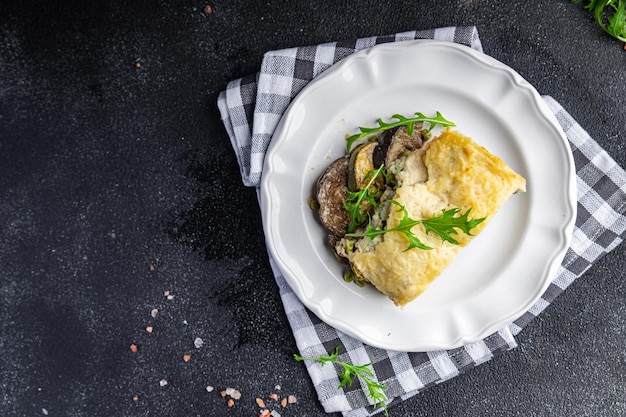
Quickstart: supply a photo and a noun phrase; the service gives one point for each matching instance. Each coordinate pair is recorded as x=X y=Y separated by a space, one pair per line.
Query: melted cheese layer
x=451 y=171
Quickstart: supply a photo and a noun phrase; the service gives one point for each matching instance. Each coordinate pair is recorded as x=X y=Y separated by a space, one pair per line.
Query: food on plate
x=401 y=205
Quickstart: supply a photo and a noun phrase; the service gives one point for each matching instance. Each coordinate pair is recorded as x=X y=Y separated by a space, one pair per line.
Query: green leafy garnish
x=445 y=225
x=610 y=16
x=375 y=389
x=409 y=122
x=354 y=199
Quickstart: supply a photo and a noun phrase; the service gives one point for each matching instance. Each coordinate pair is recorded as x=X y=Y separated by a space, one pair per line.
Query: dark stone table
x=119 y=187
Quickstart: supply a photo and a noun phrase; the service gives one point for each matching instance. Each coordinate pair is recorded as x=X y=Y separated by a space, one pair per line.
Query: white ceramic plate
x=503 y=271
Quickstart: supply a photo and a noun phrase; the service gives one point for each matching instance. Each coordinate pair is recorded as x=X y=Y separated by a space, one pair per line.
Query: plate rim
x=365 y=54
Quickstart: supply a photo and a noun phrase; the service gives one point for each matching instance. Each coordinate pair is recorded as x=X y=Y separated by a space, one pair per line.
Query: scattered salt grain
x=133 y=348
x=234 y=394
x=186 y=357
x=264 y=413
x=149 y=329
x=154 y=312
x=198 y=342
x=170 y=297
x=230 y=402
x=275 y=413
x=163 y=382
x=273 y=397
x=260 y=403
x=209 y=388
x=44 y=411
x=277 y=387
x=283 y=402
x=166 y=293
x=292 y=399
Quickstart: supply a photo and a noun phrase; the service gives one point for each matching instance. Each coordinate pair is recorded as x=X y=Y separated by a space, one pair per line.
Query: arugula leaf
x=616 y=26
x=354 y=199
x=610 y=15
x=409 y=122
x=375 y=389
x=444 y=225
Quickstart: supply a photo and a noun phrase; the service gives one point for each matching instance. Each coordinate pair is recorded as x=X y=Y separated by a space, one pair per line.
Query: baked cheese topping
x=450 y=171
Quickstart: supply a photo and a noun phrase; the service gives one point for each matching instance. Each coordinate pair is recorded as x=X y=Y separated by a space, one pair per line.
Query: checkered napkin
x=251 y=108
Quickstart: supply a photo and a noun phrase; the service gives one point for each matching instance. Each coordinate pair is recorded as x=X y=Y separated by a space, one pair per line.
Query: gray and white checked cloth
x=251 y=108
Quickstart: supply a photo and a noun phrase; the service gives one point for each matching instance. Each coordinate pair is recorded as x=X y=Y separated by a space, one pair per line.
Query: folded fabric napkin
x=251 y=108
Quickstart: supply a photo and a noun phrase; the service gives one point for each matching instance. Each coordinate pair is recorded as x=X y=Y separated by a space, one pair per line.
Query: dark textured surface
x=118 y=183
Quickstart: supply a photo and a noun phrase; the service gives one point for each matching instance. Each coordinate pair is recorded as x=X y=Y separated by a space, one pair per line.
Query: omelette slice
x=449 y=171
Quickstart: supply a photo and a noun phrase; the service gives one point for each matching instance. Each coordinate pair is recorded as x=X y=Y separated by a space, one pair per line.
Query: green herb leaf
x=409 y=122
x=355 y=199
x=444 y=225
x=375 y=389
x=610 y=15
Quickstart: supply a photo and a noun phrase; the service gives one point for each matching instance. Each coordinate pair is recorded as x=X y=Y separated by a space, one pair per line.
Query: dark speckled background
x=118 y=183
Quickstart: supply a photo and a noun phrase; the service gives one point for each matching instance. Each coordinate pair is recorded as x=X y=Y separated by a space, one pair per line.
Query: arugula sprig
x=375 y=389
x=409 y=122
x=444 y=225
x=354 y=199
x=610 y=16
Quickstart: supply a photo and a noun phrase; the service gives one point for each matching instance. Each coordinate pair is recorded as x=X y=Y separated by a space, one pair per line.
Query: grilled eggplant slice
x=361 y=164
x=396 y=142
x=331 y=193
